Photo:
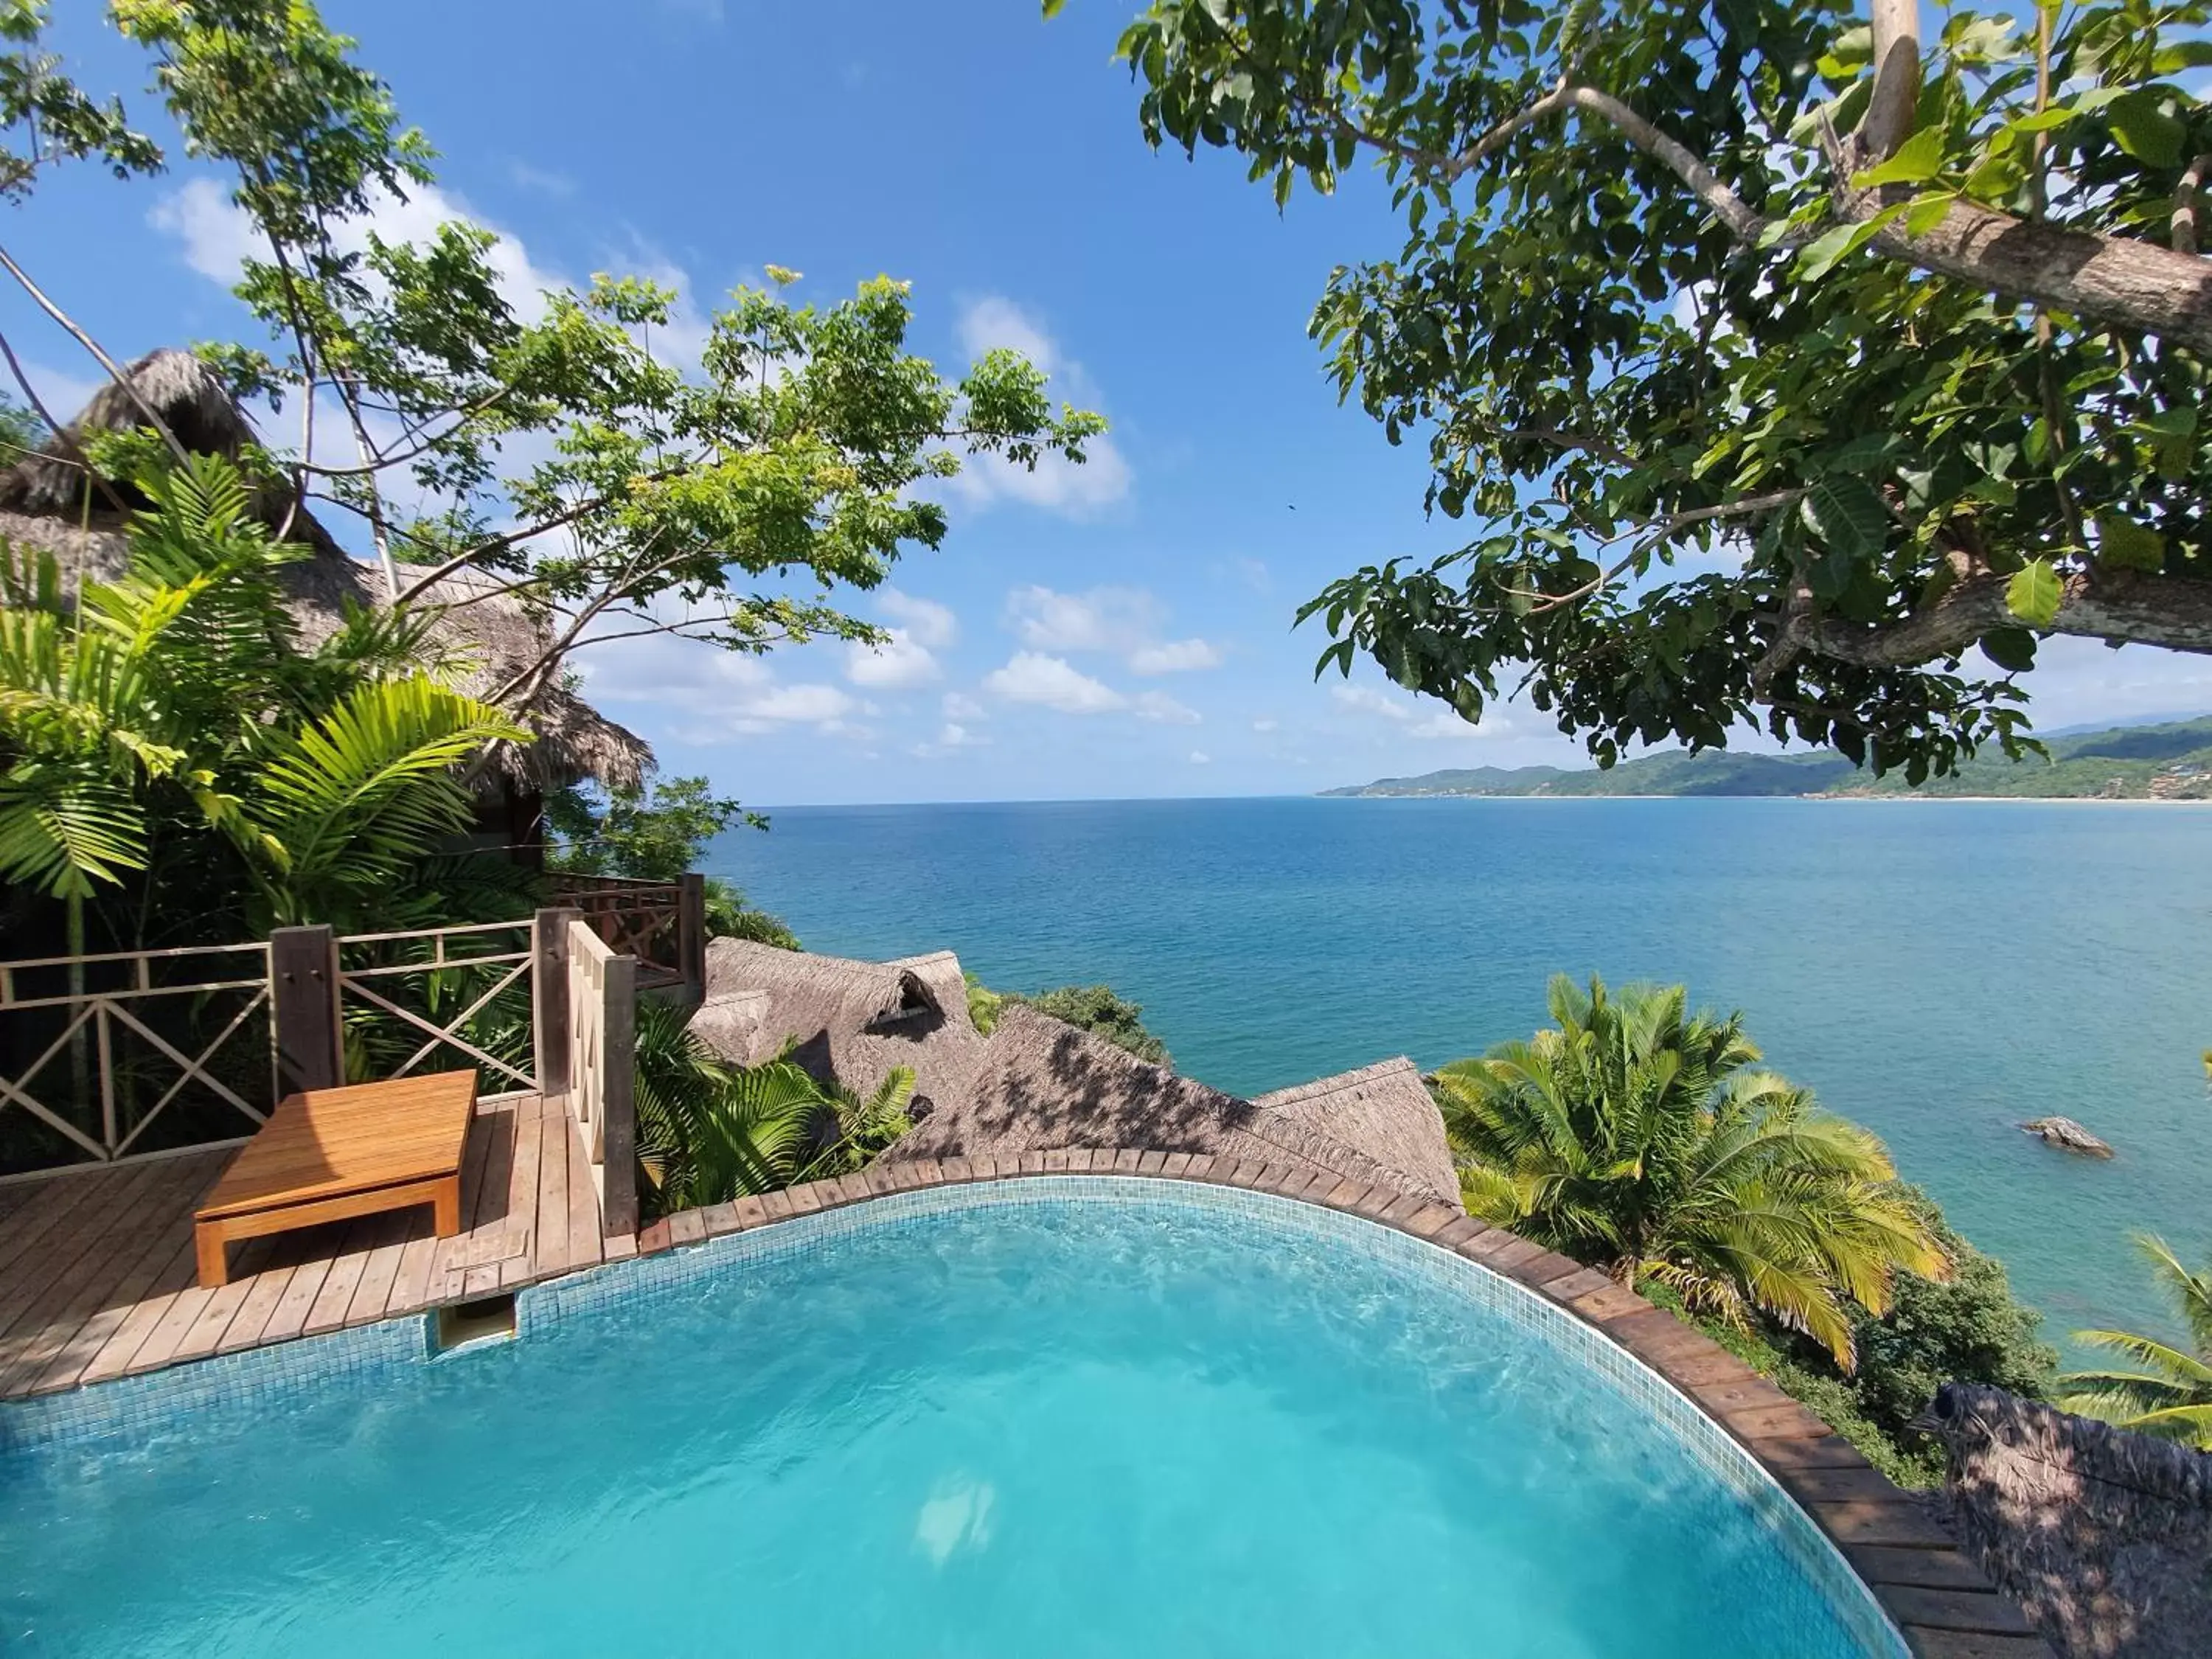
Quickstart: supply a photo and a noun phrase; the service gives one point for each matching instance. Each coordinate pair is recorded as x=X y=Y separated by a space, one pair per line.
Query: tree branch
x=76 y=333
x=2137 y=607
x=61 y=433
x=1896 y=93
x=2181 y=229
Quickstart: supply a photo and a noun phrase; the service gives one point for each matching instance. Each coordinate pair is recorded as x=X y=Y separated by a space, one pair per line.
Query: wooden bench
x=333 y=1154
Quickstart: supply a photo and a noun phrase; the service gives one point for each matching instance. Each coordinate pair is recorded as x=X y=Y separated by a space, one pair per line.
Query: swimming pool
x=1076 y=1415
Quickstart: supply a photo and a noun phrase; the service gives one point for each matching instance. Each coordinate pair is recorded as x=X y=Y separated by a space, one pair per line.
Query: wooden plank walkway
x=97 y=1274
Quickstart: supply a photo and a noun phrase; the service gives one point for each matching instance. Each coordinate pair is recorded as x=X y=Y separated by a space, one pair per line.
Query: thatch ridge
x=1046 y=1086
x=43 y=503
x=2103 y=1535
x=852 y=1021
x=1383 y=1110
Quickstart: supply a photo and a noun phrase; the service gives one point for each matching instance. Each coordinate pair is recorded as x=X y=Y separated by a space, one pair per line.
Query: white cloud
x=1419 y=719
x=994 y=323
x=959 y=706
x=1446 y=725
x=709 y=692
x=899 y=664
x=1116 y=619
x=1051 y=681
x=1366 y=700
x=1264 y=725
x=1055 y=484
x=540 y=180
x=1200 y=757
x=1158 y=705
x=925 y=621
x=218 y=237
x=1174 y=657
x=956 y=736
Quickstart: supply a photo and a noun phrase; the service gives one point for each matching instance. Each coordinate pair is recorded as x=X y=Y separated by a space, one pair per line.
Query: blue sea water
x=1107 y=1427
x=1939 y=971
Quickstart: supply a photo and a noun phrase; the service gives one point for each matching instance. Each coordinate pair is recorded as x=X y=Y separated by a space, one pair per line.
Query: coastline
x=1899 y=798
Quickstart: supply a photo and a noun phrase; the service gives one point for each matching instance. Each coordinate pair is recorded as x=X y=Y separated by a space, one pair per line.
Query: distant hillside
x=2168 y=761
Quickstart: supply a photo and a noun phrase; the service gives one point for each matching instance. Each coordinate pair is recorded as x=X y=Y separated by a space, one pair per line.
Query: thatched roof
x=1385 y=1111
x=2102 y=1537
x=1045 y=1086
x=46 y=501
x=852 y=1021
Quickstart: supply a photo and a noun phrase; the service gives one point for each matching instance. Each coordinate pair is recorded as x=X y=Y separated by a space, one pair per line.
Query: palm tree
x=2172 y=1395
x=177 y=695
x=855 y=1129
x=1635 y=1136
x=709 y=1131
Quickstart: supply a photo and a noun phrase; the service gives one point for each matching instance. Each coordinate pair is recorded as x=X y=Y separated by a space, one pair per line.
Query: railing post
x=691 y=934
x=548 y=992
x=303 y=998
x=618 y=1100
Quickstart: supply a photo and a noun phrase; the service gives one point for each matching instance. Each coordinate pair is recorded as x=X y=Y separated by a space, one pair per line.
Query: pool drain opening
x=469 y=1324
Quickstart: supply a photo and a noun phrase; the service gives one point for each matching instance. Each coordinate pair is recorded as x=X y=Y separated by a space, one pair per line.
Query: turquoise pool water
x=1061 y=1417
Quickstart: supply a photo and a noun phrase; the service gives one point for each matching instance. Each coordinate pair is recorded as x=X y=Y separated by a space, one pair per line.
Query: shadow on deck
x=96 y=1267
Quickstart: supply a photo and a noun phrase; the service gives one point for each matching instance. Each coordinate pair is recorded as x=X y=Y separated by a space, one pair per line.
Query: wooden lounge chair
x=333 y=1154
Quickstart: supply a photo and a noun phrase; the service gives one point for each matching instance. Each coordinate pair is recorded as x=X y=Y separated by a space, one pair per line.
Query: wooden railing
x=459 y=996
x=109 y=1058
x=133 y=1052
x=661 y=923
x=585 y=1032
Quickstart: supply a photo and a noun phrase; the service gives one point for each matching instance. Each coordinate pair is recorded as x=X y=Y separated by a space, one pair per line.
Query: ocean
x=1939 y=971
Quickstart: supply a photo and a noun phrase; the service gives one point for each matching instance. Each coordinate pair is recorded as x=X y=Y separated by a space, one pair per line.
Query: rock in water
x=2067 y=1135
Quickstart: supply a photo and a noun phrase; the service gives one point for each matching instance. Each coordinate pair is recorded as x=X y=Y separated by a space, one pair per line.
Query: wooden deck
x=97 y=1274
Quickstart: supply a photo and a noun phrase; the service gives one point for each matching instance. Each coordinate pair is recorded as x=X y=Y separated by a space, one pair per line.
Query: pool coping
x=1938 y=1597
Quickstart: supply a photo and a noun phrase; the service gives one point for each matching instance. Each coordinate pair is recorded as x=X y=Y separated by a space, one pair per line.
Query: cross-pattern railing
x=132 y=1051
x=110 y=1057
x=439 y=998
x=661 y=923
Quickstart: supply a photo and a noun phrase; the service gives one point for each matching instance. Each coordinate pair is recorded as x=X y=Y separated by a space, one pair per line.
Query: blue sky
x=1123 y=629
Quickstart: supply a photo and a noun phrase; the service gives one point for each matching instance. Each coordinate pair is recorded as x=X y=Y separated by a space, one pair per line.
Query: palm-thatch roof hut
x=48 y=501
x=845 y=1020
x=1384 y=1110
x=1044 y=1085
x=2102 y=1537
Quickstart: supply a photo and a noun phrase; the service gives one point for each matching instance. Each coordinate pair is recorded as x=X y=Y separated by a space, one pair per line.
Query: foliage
x=658 y=834
x=709 y=1131
x=2170 y=1392
x=1966 y=1326
x=983 y=1005
x=856 y=1129
x=170 y=714
x=1095 y=1009
x=1631 y=1135
x=800 y=450
x=2172 y=760
x=1773 y=393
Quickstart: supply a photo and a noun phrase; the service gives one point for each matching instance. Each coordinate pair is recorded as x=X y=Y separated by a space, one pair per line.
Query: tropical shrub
x=983 y=1004
x=2170 y=1393
x=171 y=755
x=1096 y=1008
x=1965 y=1327
x=709 y=1131
x=1635 y=1136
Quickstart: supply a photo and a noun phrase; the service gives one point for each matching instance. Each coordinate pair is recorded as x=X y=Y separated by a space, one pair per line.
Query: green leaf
x=2124 y=545
x=2033 y=593
x=2012 y=649
x=2142 y=128
x=1925 y=212
x=1846 y=515
x=1838 y=242
x=1918 y=159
